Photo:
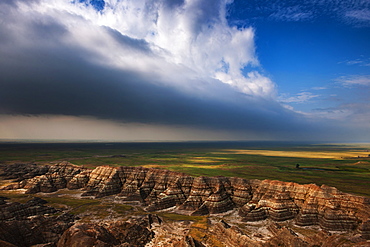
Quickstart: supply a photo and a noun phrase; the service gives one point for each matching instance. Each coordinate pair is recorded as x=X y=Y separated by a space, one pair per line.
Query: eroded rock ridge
x=159 y=189
x=31 y=223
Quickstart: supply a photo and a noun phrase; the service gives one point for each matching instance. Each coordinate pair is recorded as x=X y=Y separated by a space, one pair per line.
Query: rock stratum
x=156 y=189
x=31 y=223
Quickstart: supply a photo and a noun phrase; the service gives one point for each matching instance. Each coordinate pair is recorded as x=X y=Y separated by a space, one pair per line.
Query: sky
x=173 y=70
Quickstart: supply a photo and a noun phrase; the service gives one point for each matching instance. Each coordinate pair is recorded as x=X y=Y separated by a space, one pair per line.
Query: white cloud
x=358 y=17
x=354 y=114
x=298 y=98
x=331 y=113
x=355 y=80
x=352 y=62
x=361 y=15
x=319 y=88
x=292 y=13
x=254 y=83
x=360 y=62
x=192 y=39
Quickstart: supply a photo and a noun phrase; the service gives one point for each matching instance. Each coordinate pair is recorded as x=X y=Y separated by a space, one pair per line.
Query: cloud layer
x=156 y=63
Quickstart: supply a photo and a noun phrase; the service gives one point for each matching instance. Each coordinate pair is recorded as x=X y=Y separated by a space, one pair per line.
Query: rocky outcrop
x=232 y=235
x=20 y=172
x=31 y=223
x=118 y=233
x=44 y=178
x=19 y=211
x=255 y=200
x=189 y=241
x=87 y=235
x=273 y=234
x=308 y=205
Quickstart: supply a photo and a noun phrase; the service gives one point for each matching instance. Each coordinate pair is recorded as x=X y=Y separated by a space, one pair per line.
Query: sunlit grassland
x=337 y=165
x=304 y=154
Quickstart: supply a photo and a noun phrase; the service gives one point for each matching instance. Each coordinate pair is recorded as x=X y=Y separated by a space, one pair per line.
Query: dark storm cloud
x=43 y=74
x=50 y=82
x=60 y=80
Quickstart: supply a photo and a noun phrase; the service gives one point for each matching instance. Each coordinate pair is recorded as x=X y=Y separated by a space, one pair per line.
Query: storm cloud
x=171 y=63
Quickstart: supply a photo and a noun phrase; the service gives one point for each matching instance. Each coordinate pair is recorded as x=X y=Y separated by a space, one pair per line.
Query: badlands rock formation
x=31 y=223
x=116 y=233
x=255 y=200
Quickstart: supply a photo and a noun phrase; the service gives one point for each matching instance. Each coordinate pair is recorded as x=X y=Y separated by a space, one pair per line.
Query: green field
x=345 y=166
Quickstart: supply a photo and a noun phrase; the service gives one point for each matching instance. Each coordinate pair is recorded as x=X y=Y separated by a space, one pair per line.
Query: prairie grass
x=180 y=217
x=16 y=196
x=304 y=154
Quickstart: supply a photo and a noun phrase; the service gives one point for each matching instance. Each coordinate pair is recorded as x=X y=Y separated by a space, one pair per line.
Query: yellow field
x=201 y=160
x=303 y=154
x=204 y=166
x=189 y=166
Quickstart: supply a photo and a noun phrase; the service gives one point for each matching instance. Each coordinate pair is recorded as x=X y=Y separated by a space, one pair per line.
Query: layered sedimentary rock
x=232 y=235
x=209 y=196
x=307 y=204
x=273 y=234
x=31 y=223
x=20 y=172
x=19 y=211
x=117 y=233
x=254 y=199
x=44 y=178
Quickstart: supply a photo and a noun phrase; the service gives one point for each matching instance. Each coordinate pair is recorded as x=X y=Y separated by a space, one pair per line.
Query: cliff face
x=160 y=189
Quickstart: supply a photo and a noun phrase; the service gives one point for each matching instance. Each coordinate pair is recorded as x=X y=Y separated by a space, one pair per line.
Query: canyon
x=239 y=211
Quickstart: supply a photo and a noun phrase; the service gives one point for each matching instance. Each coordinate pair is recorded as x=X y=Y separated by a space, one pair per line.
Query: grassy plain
x=345 y=166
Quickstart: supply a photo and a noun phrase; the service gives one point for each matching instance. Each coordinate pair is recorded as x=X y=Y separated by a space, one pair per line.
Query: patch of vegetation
x=15 y=196
x=121 y=208
x=75 y=205
x=180 y=217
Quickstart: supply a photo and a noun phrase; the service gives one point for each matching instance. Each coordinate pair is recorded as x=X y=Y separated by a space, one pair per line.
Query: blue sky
x=309 y=47
x=185 y=70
